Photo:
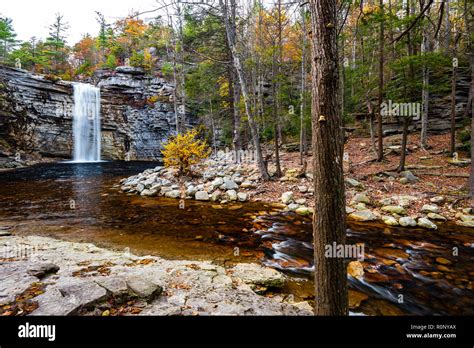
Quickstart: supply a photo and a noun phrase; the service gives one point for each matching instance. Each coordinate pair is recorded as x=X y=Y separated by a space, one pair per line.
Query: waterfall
x=86 y=124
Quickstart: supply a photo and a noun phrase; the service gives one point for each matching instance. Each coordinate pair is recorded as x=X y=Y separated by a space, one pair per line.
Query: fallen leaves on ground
x=142 y=262
x=91 y=271
x=23 y=304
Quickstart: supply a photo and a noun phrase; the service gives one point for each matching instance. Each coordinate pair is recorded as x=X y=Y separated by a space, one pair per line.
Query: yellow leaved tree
x=185 y=150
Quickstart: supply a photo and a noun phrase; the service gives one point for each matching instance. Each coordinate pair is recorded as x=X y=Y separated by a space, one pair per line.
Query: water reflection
x=38 y=200
x=85 y=200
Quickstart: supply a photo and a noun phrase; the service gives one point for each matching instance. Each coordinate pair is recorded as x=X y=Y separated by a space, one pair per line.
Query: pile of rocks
x=217 y=183
x=224 y=182
x=394 y=211
x=296 y=205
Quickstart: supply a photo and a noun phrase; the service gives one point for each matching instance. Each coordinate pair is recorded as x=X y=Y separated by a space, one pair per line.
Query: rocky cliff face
x=439 y=112
x=36 y=113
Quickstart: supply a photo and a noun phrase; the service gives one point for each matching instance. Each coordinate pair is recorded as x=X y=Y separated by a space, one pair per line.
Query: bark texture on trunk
x=471 y=111
x=381 y=84
x=470 y=104
x=329 y=219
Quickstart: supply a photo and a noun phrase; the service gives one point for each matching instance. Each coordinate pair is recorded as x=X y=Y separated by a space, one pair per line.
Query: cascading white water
x=86 y=124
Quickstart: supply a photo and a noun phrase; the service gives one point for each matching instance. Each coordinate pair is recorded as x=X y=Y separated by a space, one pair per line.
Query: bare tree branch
x=410 y=27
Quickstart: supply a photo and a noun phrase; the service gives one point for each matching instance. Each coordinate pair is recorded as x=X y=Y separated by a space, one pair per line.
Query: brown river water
x=82 y=202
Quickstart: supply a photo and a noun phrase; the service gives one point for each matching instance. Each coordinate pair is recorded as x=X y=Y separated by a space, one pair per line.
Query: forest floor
x=437 y=176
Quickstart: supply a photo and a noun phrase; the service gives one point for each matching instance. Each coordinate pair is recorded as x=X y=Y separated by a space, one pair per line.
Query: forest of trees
x=263 y=74
x=401 y=50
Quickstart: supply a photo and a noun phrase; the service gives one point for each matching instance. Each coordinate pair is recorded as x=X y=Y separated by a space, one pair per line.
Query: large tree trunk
x=381 y=84
x=470 y=103
x=471 y=92
x=330 y=277
x=243 y=86
x=471 y=106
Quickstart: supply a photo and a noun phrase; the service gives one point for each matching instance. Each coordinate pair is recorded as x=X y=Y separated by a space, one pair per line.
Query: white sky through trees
x=32 y=17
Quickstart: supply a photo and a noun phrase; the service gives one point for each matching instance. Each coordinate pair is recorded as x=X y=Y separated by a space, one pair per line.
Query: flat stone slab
x=67 y=299
x=166 y=287
x=14 y=280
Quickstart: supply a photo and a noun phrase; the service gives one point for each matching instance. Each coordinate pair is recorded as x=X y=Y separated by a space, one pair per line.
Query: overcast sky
x=32 y=17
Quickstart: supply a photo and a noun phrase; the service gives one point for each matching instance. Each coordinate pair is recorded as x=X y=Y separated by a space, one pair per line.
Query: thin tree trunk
x=175 y=79
x=181 y=75
x=235 y=93
x=372 y=127
x=303 y=86
x=447 y=33
x=237 y=141
x=277 y=61
x=279 y=69
x=353 y=60
x=425 y=94
x=330 y=276
x=214 y=142
x=381 y=84
x=406 y=123
x=275 y=118
x=411 y=75
x=243 y=86
x=343 y=76
x=453 y=109
x=260 y=97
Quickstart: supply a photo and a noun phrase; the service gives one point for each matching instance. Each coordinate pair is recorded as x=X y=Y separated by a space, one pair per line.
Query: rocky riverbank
x=45 y=276
x=222 y=182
